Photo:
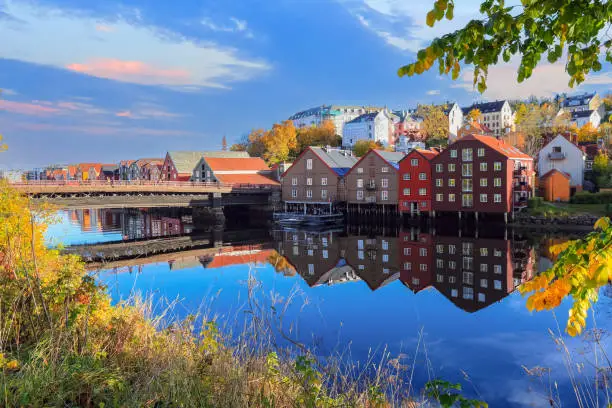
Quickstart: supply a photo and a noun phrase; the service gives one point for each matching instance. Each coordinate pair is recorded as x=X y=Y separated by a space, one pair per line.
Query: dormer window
x=557 y=149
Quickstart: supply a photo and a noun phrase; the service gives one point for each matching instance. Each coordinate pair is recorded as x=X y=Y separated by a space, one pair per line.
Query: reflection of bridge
x=96 y=193
x=136 y=249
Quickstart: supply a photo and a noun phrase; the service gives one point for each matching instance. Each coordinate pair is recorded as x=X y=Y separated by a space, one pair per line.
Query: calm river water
x=448 y=297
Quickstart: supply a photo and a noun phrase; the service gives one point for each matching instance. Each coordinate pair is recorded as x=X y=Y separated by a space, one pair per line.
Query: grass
x=566 y=209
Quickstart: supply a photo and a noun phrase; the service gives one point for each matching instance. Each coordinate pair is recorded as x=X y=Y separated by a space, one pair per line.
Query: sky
x=103 y=81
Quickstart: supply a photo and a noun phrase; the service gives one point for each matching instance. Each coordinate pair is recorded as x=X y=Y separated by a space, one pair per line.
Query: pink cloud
x=99 y=130
x=124 y=114
x=131 y=71
x=23 y=108
x=104 y=28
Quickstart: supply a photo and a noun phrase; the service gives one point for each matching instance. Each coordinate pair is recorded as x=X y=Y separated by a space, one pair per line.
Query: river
x=443 y=300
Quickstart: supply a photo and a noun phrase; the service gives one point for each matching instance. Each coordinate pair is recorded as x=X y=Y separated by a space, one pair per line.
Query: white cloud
x=433 y=92
x=121 y=50
x=236 y=25
x=7 y=92
x=546 y=81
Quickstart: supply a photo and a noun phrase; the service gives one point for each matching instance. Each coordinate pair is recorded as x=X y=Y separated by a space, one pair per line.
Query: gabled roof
x=428 y=154
x=498 y=145
x=126 y=163
x=236 y=164
x=392 y=158
x=477 y=126
x=185 y=161
x=582 y=114
x=582 y=99
x=339 y=161
x=366 y=117
x=142 y=162
x=486 y=107
x=553 y=171
x=110 y=167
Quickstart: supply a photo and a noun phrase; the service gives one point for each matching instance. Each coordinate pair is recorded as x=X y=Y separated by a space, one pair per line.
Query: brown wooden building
x=373 y=258
x=374 y=180
x=481 y=174
x=315 y=180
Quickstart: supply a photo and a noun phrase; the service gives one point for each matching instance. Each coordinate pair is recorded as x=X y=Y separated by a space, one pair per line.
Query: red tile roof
x=254 y=179
x=429 y=154
x=498 y=145
x=143 y=162
x=236 y=164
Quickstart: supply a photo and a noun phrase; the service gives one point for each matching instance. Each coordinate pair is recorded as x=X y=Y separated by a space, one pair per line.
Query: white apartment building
x=375 y=126
x=455 y=119
x=496 y=115
x=338 y=114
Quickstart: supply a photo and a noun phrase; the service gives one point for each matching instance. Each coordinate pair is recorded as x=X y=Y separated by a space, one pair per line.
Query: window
x=359 y=170
x=497 y=269
x=407 y=266
x=468 y=293
x=360 y=244
x=324 y=194
x=325 y=253
x=384 y=183
x=294 y=181
x=414 y=162
x=406 y=176
x=466 y=170
x=468 y=263
x=310 y=252
x=484 y=182
x=384 y=169
x=466 y=185
x=359 y=194
x=439 y=182
x=423 y=204
x=452 y=249
x=454 y=292
x=481 y=152
x=439 y=197
x=557 y=149
x=386 y=271
x=467 y=248
x=483 y=198
x=497 y=252
x=384 y=195
x=296 y=250
x=468 y=278
x=311 y=269
x=440 y=249
x=309 y=164
x=451 y=167
x=451 y=182
x=309 y=181
x=439 y=168
x=497 y=284
x=484 y=283
x=484 y=268
x=497 y=198
x=422 y=191
x=422 y=251
x=497 y=166
x=439 y=278
x=422 y=176
x=323 y=181
x=451 y=198
x=497 y=182
x=197 y=173
x=407 y=251
x=309 y=193
x=466 y=154
x=385 y=245
x=481 y=297
x=423 y=267
x=385 y=258
x=359 y=183
x=439 y=263
x=453 y=153
x=452 y=265
x=324 y=241
x=361 y=267
x=294 y=193
x=483 y=166
x=406 y=191
x=360 y=255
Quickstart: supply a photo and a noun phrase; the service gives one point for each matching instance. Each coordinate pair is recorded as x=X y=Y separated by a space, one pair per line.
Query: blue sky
x=106 y=81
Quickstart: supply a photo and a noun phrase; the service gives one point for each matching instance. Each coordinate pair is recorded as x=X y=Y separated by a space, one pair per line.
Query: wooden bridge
x=97 y=193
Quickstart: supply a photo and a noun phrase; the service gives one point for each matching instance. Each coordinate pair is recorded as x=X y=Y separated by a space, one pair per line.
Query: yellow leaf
x=603 y=223
x=431 y=18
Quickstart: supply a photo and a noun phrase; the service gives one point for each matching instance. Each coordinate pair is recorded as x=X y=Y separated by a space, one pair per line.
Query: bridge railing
x=129 y=183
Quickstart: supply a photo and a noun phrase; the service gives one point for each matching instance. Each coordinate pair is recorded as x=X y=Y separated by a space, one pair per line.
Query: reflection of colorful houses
x=240 y=256
x=373 y=258
x=416 y=259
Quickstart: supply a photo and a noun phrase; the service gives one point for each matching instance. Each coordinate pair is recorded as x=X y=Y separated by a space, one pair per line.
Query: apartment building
x=497 y=116
x=376 y=126
x=415 y=191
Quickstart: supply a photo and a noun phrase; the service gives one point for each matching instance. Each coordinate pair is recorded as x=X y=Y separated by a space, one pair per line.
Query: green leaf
x=450 y=11
x=431 y=18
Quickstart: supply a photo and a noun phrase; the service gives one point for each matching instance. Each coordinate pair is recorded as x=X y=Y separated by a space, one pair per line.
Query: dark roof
x=485 y=107
x=110 y=167
x=391 y=157
x=581 y=99
x=364 y=118
x=340 y=161
x=582 y=114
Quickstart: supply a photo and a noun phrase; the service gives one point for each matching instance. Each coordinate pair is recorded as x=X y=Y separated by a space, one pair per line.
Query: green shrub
x=535 y=202
x=584 y=197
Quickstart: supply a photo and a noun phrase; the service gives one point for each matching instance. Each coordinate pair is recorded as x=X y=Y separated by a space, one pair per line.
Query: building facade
x=455 y=119
x=582 y=118
x=560 y=154
x=497 y=116
x=481 y=174
x=583 y=103
x=416 y=259
x=338 y=114
x=179 y=166
x=375 y=126
x=415 y=183
x=374 y=180
x=316 y=179
x=241 y=170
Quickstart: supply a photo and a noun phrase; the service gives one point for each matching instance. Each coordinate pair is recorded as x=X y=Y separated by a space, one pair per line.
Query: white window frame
x=359 y=195
x=422 y=176
x=308 y=193
x=406 y=191
x=497 y=166
x=294 y=181
x=384 y=195
x=497 y=198
x=308 y=164
x=323 y=181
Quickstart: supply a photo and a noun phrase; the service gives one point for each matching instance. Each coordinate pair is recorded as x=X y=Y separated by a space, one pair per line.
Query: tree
x=435 y=122
x=587 y=133
x=474 y=115
x=238 y=147
x=601 y=170
x=280 y=141
x=361 y=147
x=224 y=143
x=529 y=31
x=322 y=135
x=255 y=144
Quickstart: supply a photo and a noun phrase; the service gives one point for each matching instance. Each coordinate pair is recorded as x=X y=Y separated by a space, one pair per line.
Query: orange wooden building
x=555 y=186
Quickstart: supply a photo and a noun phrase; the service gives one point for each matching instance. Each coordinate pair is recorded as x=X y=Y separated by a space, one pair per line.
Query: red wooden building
x=415 y=189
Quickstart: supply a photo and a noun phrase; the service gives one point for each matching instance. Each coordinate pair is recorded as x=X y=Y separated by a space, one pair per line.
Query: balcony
x=370 y=186
x=556 y=156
